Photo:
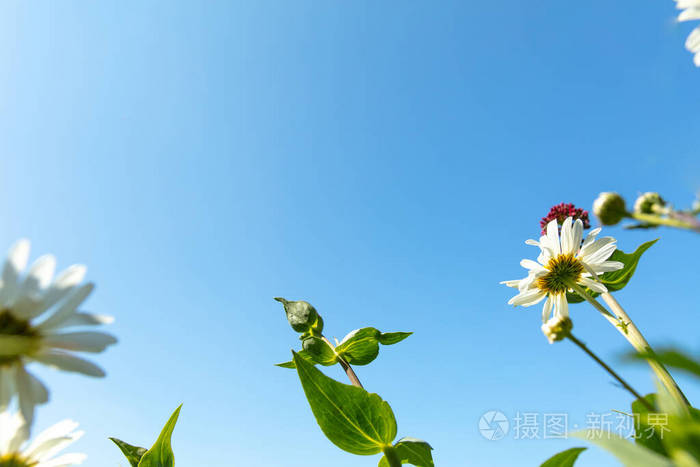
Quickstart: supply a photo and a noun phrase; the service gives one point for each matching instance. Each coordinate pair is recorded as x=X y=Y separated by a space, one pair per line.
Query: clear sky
x=384 y=161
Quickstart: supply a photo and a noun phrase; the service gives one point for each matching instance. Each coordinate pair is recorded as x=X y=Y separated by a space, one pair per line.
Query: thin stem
x=624 y=324
x=346 y=366
x=582 y=293
x=642 y=346
x=391 y=456
x=611 y=371
x=657 y=220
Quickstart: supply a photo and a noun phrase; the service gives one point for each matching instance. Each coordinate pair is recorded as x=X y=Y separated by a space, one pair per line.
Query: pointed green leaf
x=411 y=451
x=617 y=280
x=132 y=453
x=564 y=459
x=645 y=433
x=361 y=346
x=324 y=357
x=351 y=418
x=389 y=338
x=161 y=453
x=627 y=452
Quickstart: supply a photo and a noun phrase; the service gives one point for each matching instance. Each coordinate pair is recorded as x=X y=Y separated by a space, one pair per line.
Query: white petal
x=689 y=14
x=561 y=305
x=527 y=298
x=594 y=246
x=513 y=283
x=85 y=341
x=577 y=234
x=16 y=261
x=62 y=429
x=600 y=255
x=25 y=395
x=82 y=319
x=567 y=237
x=67 y=308
x=553 y=237
x=53 y=440
x=692 y=43
x=64 y=283
x=29 y=301
x=67 y=362
x=532 y=265
x=65 y=460
x=8 y=387
x=14 y=431
x=547 y=309
x=593 y=285
x=605 y=266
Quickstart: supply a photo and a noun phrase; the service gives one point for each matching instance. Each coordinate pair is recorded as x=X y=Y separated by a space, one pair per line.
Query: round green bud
x=649 y=203
x=557 y=328
x=301 y=315
x=610 y=208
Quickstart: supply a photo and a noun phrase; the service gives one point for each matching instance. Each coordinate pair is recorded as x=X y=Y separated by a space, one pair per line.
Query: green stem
x=624 y=324
x=611 y=371
x=643 y=347
x=658 y=220
x=391 y=456
x=346 y=366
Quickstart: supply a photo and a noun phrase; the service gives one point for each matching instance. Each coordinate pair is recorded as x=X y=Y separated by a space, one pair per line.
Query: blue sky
x=384 y=161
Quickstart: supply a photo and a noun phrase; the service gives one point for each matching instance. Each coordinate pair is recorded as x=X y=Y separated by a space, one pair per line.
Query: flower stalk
x=612 y=372
x=624 y=324
x=655 y=219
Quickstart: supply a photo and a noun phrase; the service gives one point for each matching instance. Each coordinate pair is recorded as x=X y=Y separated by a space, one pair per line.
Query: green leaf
x=361 y=346
x=324 y=355
x=161 y=453
x=645 y=433
x=320 y=351
x=132 y=453
x=390 y=338
x=670 y=357
x=411 y=451
x=563 y=459
x=630 y=454
x=617 y=280
x=351 y=418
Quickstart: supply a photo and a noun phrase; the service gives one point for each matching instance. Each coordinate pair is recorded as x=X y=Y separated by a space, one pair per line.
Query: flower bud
x=302 y=316
x=649 y=203
x=557 y=328
x=610 y=208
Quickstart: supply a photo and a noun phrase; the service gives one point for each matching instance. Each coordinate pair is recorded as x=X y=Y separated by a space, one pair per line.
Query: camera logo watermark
x=494 y=425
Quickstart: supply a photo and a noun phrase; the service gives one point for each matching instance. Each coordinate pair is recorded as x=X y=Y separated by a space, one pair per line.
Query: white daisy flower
x=691 y=11
x=34 y=315
x=562 y=261
x=16 y=452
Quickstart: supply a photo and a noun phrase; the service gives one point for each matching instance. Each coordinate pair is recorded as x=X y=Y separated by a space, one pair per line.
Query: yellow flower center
x=14 y=460
x=563 y=270
x=18 y=338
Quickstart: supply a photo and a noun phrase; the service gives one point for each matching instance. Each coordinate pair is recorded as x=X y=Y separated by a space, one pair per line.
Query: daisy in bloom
x=35 y=312
x=563 y=260
x=40 y=453
x=691 y=11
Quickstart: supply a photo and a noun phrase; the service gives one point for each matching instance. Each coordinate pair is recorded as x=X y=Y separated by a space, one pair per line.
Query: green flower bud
x=557 y=328
x=301 y=315
x=609 y=208
x=649 y=203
